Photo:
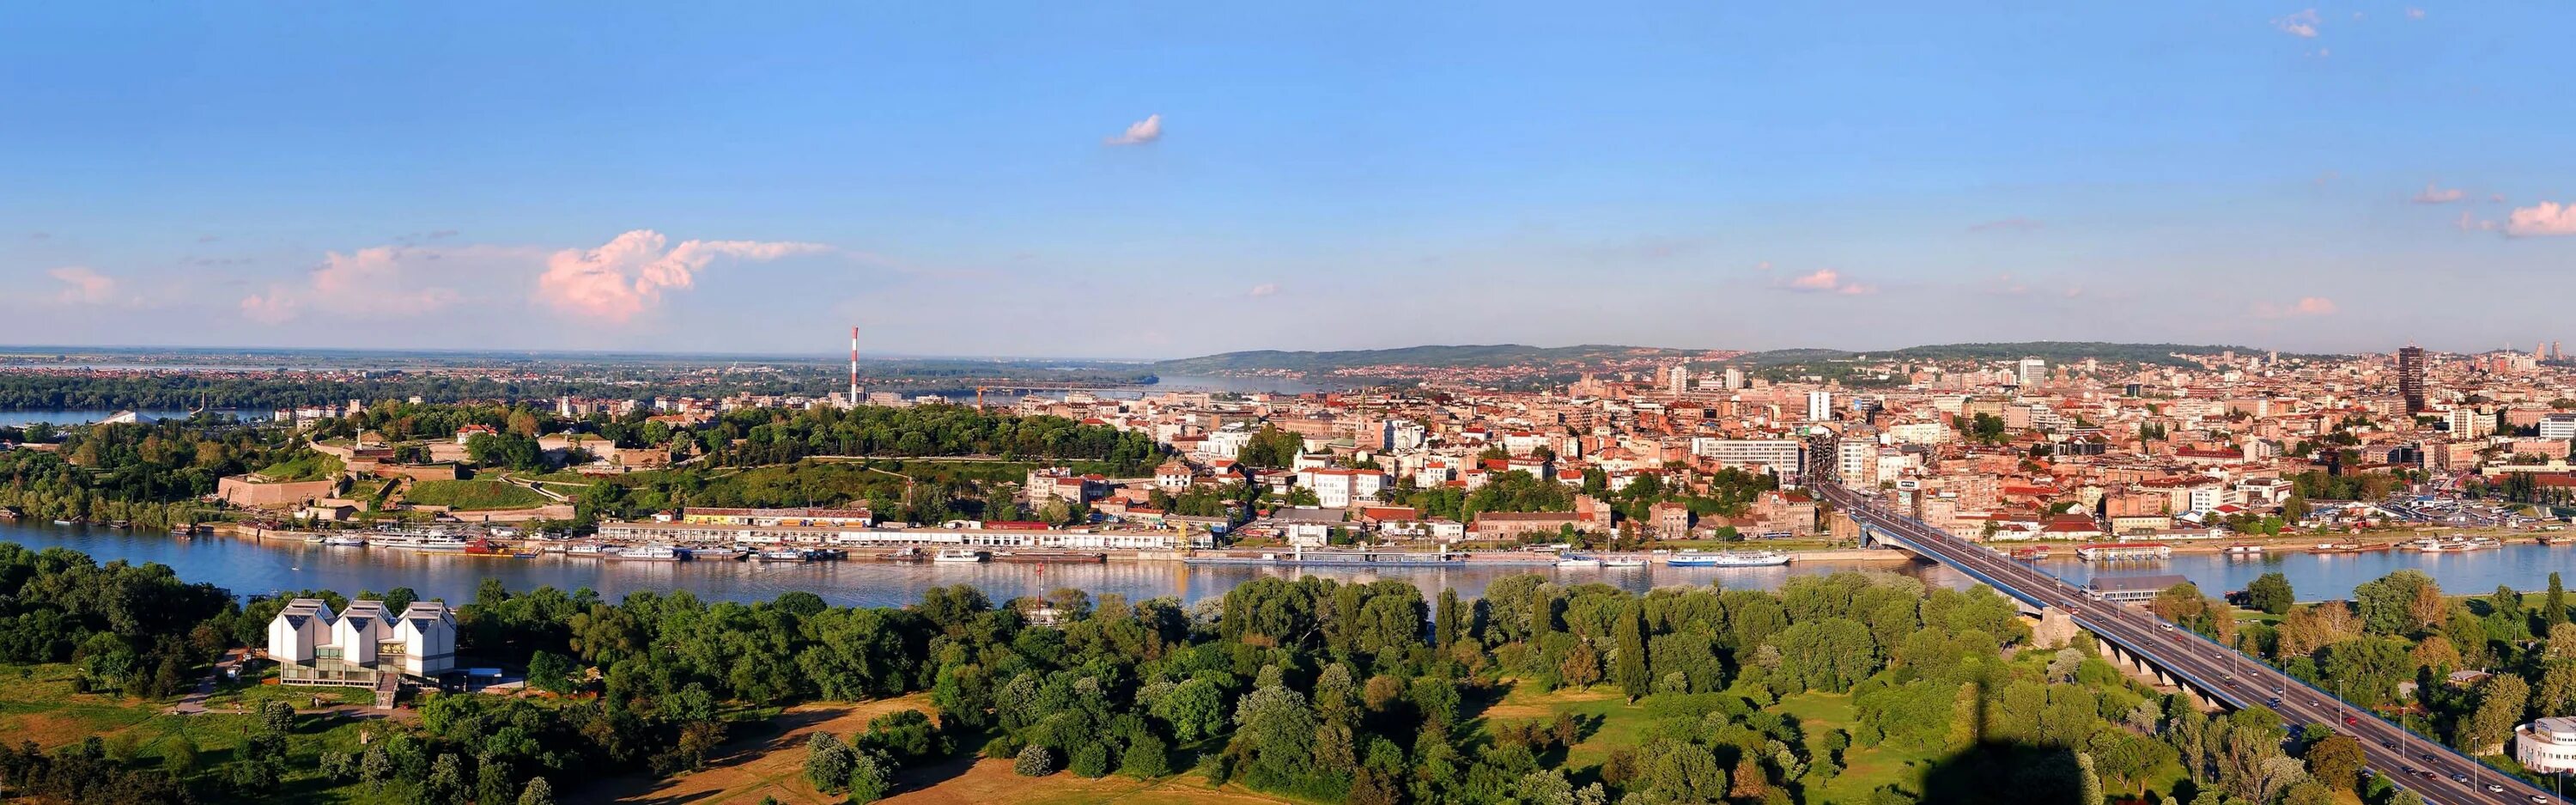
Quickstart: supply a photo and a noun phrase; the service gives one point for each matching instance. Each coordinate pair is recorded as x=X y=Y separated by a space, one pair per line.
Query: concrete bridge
x=2213 y=674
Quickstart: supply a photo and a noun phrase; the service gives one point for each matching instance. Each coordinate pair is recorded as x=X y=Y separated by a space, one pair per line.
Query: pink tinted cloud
x=2541 y=220
x=2306 y=306
x=1140 y=132
x=81 y=286
x=628 y=275
x=2302 y=24
x=374 y=281
x=1826 y=280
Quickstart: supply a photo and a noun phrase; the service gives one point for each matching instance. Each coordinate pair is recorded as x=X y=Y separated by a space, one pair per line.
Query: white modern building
x=2558 y=426
x=2030 y=372
x=1820 y=406
x=315 y=646
x=2547 y=745
x=1775 y=455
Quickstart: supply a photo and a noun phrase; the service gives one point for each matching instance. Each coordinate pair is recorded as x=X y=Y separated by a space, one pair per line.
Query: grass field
x=37 y=704
x=475 y=495
x=309 y=467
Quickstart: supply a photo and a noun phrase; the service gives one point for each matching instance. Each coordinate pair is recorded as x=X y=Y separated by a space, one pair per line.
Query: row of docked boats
x=1687 y=558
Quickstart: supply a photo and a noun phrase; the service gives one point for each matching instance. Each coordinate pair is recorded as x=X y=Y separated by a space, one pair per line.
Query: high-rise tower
x=2410 y=378
x=854 y=367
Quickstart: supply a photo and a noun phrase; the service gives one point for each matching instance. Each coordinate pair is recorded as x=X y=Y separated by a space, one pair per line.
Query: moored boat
x=2124 y=551
x=1577 y=560
x=650 y=553
x=1728 y=559
x=958 y=556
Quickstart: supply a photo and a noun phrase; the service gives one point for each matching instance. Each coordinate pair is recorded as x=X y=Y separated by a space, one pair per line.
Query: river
x=247 y=567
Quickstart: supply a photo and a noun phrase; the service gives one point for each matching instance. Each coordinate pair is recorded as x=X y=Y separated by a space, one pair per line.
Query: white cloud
x=627 y=275
x=2302 y=24
x=1826 y=280
x=2469 y=223
x=1140 y=132
x=377 y=281
x=2306 y=306
x=2542 y=219
x=2435 y=194
x=81 y=286
x=1265 y=289
x=2414 y=13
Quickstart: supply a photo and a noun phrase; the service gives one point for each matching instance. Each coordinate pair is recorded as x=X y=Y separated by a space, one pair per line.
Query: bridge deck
x=2212 y=669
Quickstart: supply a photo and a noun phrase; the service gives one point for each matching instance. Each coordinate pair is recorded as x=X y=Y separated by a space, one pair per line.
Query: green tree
x=2270 y=593
x=1634 y=678
x=2336 y=761
x=537 y=792
x=828 y=762
x=2554 y=608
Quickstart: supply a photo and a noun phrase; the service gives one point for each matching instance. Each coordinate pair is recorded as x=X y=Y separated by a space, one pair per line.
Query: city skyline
x=1161 y=182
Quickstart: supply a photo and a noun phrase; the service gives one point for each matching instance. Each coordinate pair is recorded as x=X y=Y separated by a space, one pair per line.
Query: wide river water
x=249 y=567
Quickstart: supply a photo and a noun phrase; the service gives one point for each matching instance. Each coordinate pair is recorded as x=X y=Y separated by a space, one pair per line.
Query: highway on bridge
x=2430 y=770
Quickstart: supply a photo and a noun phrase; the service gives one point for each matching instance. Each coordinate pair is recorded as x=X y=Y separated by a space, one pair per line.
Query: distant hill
x=1483 y=355
x=2055 y=352
x=1444 y=355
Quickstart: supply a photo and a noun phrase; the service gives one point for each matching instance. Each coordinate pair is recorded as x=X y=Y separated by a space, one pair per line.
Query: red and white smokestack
x=854 y=367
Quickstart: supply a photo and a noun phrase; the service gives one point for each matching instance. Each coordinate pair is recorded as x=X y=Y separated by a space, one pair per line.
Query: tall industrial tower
x=854 y=366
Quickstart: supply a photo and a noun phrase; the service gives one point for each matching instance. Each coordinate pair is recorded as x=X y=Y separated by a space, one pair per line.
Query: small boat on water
x=2124 y=551
x=958 y=556
x=1577 y=560
x=485 y=547
x=315 y=539
x=59 y=521
x=345 y=541
x=2452 y=544
x=2244 y=548
x=1728 y=559
x=651 y=553
x=785 y=555
x=1049 y=557
x=906 y=554
x=120 y=524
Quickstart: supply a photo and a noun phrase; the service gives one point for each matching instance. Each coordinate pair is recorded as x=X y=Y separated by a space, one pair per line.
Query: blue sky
x=959 y=179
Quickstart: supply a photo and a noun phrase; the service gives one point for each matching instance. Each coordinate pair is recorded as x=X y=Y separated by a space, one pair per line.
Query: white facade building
x=2547 y=745
x=315 y=646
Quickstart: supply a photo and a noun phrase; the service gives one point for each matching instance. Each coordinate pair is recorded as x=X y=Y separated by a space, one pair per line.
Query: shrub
x=1145 y=759
x=828 y=762
x=1034 y=761
x=871 y=776
x=1092 y=760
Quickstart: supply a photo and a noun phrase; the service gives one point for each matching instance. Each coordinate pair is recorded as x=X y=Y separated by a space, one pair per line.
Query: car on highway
x=2457 y=777
x=2350 y=721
